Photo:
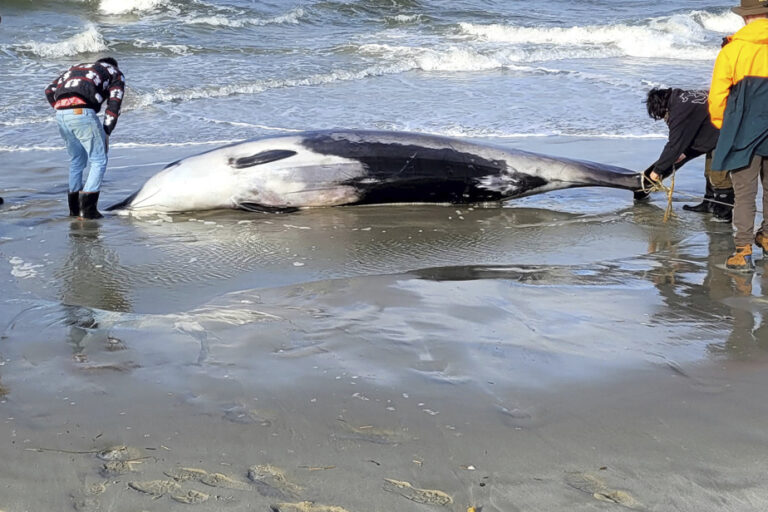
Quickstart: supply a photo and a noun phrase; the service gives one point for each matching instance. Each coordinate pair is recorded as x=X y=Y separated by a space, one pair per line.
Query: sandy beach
x=570 y=351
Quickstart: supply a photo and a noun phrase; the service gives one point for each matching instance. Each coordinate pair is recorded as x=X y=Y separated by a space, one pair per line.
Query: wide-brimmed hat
x=749 y=7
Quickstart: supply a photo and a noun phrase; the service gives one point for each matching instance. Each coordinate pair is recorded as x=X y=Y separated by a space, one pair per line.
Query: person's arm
x=722 y=80
x=114 y=102
x=685 y=119
x=50 y=91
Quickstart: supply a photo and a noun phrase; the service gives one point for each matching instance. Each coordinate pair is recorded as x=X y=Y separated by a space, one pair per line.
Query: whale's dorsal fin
x=260 y=158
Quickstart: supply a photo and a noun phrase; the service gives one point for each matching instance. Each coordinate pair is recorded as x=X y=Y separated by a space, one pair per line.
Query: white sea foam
x=22 y=269
x=468 y=59
x=723 y=23
x=187 y=94
x=292 y=17
x=89 y=41
x=33 y=120
x=405 y=18
x=682 y=36
x=178 y=49
x=128 y=6
x=26 y=149
x=241 y=124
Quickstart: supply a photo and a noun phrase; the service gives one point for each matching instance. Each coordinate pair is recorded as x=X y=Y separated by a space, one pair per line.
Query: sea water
x=201 y=71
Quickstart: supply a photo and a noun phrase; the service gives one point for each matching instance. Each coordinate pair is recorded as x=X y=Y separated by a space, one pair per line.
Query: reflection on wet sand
x=471 y=359
x=87 y=277
x=725 y=299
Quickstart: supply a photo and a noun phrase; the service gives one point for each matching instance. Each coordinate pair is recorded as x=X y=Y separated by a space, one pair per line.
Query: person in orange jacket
x=738 y=105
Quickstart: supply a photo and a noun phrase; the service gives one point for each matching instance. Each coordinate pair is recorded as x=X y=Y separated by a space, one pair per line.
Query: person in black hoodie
x=691 y=134
x=77 y=96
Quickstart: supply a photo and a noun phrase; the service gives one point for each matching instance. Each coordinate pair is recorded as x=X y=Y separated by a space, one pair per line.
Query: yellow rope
x=658 y=186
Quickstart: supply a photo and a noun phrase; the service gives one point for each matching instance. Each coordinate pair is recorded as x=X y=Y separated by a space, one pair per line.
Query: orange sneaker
x=762 y=241
x=741 y=259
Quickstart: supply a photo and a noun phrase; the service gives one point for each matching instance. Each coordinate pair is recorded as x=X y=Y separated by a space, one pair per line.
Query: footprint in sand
x=425 y=496
x=371 y=434
x=304 y=506
x=272 y=483
x=155 y=488
x=191 y=497
x=86 y=500
x=245 y=416
x=221 y=480
x=590 y=484
x=204 y=477
x=119 y=452
x=184 y=474
x=117 y=467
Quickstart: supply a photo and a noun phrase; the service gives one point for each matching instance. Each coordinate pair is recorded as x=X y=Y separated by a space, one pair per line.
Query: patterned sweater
x=92 y=83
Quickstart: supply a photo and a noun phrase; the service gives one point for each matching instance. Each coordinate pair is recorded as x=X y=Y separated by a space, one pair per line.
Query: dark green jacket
x=745 y=125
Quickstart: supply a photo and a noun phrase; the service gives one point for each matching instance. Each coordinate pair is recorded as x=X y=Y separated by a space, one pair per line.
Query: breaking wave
x=88 y=41
x=128 y=6
x=292 y=17
x=683 y=36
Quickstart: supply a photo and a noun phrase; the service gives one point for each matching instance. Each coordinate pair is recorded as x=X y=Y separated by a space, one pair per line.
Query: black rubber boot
x=73 y=198
x=640 y=196
x=88 y=201
x=705 y=206
x=723 y=212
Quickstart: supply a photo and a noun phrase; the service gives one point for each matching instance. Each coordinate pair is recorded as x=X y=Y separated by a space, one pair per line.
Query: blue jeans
x=86 y=142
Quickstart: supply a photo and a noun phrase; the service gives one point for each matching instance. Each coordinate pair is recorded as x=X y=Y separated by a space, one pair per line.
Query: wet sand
x=570 y=351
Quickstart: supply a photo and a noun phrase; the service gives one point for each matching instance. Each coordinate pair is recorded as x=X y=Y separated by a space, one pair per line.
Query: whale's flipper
x=123 y=204
x=260 y=158
x=255 y=207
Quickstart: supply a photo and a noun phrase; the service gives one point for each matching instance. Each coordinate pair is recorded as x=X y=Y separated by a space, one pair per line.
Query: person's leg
x=78 y=156
x=722 y=192
x=90 y=133
x=745 y=191
x=744 y=210
x=764 y=180
x=760 y=237
x=706 y=206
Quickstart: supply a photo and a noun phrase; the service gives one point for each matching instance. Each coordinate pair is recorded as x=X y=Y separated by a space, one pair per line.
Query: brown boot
x=762 y=241
x=741 y=259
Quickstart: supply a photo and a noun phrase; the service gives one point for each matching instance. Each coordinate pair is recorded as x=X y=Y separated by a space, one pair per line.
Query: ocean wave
x=405 y=18
x=129 y=6
x=220 y=91
x=681 y=36
x=178 y=49
x=292 y=17
x=89 y=41
x=23 y=122
x=132 y=145
x=722 y=22
x=468 y=59
x=397 y=59
x=240 y=124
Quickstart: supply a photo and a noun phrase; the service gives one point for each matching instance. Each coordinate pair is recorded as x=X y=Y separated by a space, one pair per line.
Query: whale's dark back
x=409 y=168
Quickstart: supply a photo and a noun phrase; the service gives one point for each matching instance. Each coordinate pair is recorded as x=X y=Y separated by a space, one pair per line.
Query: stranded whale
x=353 y=167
